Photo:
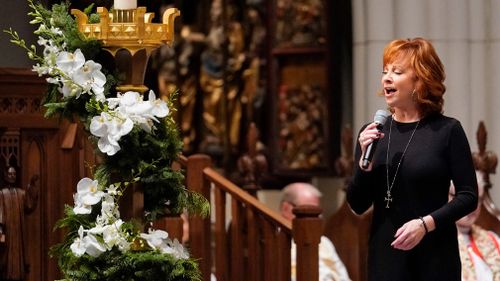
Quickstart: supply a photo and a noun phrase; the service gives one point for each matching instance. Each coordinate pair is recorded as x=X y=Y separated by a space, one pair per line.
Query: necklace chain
x=388 y=197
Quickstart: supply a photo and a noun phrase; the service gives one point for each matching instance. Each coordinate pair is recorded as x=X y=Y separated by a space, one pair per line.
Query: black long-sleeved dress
x=439 y=152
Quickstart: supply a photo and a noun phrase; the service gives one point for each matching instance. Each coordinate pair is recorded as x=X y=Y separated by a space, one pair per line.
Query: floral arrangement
x=138 y=139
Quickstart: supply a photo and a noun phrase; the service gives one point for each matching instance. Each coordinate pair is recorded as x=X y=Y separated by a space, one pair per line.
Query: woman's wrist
x=423 y=224
x=429 y=223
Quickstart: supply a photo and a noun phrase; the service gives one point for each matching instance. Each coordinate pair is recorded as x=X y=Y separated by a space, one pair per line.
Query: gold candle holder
x=123 y=16
x=130 y=36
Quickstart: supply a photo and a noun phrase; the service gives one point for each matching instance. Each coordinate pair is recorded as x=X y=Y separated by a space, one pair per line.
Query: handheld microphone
x=380 y=118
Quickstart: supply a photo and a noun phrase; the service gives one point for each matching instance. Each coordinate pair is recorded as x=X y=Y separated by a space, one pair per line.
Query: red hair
x=423 y=59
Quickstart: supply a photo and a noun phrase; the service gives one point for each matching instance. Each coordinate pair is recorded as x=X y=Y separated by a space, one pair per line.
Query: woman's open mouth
x=389 y=91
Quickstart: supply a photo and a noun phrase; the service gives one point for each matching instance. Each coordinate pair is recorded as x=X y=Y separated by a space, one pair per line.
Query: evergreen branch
x=53 y=108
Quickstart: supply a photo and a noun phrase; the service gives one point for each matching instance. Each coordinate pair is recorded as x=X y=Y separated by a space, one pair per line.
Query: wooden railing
x=254 y=244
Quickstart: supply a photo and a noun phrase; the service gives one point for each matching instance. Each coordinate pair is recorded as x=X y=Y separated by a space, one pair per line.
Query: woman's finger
x=400 y=230
x=399 y=239
x=408 y=236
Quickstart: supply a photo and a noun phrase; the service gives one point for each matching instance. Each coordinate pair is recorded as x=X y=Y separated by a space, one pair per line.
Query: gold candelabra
x=130 y=36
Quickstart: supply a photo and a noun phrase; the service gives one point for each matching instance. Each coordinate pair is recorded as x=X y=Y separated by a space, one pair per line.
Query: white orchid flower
x=92 y=246
x=50 y=51
x=176 y=249
x=130 y=98
x=97 y=229
x=112 y=234
x=98 y=125
x=69 y=62
x=123 y=245
x=53 y=80
x=116 y=128
x=156 y=239
x=42 y=41
x=70 y=89
x=125 y=101
x=105 y=146
x=140 y=109
x=132 y=104
x=112 y=189
x=78 y=246
x=81 y=208
x=108 y=199
x=100 y=95
x=145 y=124
x=100 y=220
x=109 y=130
x=113 y=102
x=80 y=76
x=119 y=127
x=90 y=77
x=56 y=30
x=40 y=69
x=89 y=191
x=108 y=208
x=159 y=107
x=142 y=113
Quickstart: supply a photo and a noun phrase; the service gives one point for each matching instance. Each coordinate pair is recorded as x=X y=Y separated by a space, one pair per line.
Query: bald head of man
x=298 y=194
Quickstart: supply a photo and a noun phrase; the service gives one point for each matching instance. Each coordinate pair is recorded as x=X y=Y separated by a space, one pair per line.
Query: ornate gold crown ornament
x=132 y=31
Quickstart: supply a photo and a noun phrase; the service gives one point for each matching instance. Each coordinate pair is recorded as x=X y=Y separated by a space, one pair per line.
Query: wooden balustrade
x=254 y=242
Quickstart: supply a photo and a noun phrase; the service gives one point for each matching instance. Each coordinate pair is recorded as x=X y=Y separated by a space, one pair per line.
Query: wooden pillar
x=221 y=240
x=307 y=228
x=132 y=203
x=199 y=230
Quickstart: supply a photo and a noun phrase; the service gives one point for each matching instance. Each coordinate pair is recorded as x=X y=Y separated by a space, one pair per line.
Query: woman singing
x=413 y=234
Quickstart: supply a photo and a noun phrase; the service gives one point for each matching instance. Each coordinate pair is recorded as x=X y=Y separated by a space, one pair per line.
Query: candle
x=125 y=4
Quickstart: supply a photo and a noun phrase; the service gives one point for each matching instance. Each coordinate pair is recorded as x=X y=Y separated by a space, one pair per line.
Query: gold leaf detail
x=130 y=30
x=115 y=30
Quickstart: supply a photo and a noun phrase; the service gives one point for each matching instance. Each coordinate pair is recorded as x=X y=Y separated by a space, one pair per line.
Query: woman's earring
x=413 y=95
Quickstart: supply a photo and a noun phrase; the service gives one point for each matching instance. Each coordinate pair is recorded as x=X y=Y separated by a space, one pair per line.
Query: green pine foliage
x=131 y=266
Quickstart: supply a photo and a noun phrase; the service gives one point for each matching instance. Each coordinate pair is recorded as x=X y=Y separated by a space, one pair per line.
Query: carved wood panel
x=33 y=159
x=9 y=147
x=55 y=151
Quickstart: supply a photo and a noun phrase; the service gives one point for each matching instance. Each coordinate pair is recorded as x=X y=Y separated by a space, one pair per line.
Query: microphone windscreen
x=381 y=116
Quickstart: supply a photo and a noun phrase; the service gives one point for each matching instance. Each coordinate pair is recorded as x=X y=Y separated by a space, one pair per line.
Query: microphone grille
x=381 y=116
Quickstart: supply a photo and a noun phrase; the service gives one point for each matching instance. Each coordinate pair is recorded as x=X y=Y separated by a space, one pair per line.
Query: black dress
x=439 y=152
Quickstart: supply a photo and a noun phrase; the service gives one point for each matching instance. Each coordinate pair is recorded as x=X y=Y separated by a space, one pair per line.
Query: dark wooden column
x=199 y=230
x=307 y=228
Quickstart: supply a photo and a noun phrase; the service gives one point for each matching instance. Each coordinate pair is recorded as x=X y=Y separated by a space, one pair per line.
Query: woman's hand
x=367 y=136
x=411 y=233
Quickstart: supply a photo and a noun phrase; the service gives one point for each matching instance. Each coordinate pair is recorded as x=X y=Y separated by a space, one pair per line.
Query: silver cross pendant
x=388 y=199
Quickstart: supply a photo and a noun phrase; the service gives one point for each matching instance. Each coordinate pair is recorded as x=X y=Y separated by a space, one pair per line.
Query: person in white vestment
x=331 y=267
x=479 y=248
